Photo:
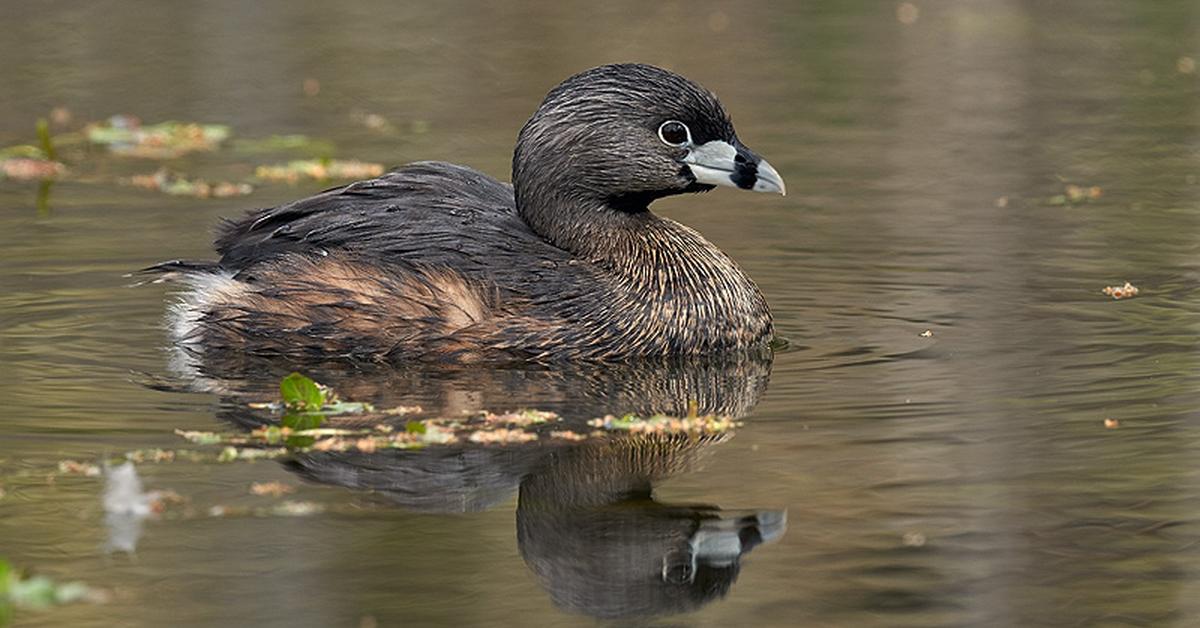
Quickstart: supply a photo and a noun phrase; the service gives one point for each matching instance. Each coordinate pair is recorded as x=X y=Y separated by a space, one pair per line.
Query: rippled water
x=960 y=478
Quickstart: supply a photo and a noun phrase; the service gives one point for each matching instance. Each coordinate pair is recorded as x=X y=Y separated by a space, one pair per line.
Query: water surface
x=959 y=477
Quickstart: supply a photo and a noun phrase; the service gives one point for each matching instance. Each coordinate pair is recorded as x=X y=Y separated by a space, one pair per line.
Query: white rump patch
x=183 y=317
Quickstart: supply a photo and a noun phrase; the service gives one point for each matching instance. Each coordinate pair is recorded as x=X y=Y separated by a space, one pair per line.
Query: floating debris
x=523 y=417
x=297 y=509
x=200 y=438
x=907 y=13
x=125 y=135
x=294 y=171
x=123 y=493
x=502 y=435
x=928 y=333
x=1121 y=292
x=435 y=434
x=311 y=87
x=29 y=163
x=150 y=455
x=1111 y=424
x=31 y=169
x=60 y=116
x=72 y=467
x=660 y=424
x=1185 y=65
x=403 y=410
x=282 y=509
x=306 y=425
x=1075 y=194
x=126 y=505
x=274 y=489
x=231 y=453
x=174 y=184
x=373 y=121
x=913 y=539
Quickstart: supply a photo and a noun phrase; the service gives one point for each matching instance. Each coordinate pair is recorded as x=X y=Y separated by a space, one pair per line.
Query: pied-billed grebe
x=440 y=262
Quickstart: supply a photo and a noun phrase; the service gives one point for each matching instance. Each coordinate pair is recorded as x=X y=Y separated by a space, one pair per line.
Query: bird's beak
x=718 y=162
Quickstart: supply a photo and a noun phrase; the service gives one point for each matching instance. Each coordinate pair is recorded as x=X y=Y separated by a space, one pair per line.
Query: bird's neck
x=620 y=235
x=655 y=257
x=671 y=287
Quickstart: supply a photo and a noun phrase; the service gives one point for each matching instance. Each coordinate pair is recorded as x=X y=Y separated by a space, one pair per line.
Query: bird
x=436 y=262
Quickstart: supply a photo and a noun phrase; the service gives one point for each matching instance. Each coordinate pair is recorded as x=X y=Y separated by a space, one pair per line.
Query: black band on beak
x=745 y=168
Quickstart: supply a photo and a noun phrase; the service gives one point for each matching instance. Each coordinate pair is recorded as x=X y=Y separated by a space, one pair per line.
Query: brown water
x=963 y=478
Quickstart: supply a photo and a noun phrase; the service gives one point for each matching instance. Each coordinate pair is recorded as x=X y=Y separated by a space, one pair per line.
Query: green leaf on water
x=415 y=427
x=302 y=421
x=301 y=393
x=5 y=575
x=6 y=611
x=37 y=592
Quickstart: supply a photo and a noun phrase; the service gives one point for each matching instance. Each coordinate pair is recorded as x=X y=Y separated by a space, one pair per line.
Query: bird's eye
x=674 y=133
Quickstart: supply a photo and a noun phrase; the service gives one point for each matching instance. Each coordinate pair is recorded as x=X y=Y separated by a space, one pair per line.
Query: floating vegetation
x=27 y=169
x=302 y=394
x=1121 y=292
x=33 y=163
x=1075 y=195
x=283 y=509
x=125 y=135
x=72 y=467
x=70 y=155
x=294 y=171
x=175 y=184
x=306 y=408
x=660 y=424
x=233 y=454
x=522 y=418
x=502 y=435
x=274 y=489
x=19 y=590
x=150 y=455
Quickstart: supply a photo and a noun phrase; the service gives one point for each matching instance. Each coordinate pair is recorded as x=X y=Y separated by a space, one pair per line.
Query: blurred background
x=964 y=429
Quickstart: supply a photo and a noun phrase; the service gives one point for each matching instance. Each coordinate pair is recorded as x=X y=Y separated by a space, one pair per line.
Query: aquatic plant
x=20 y=591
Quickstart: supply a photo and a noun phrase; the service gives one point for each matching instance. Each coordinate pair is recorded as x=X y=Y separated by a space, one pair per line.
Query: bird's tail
x=176 y=270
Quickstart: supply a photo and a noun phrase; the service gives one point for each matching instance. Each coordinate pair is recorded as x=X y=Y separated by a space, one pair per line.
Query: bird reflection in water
x=588 y=525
